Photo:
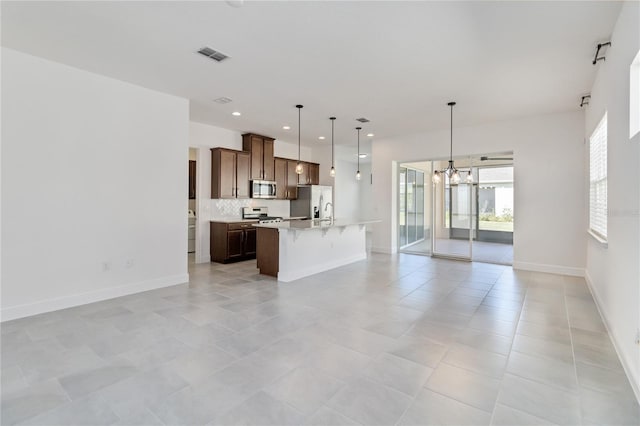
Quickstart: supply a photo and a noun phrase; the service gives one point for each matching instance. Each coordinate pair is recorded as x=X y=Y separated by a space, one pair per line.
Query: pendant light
x=299 y=165
x=452 y=173
x=332 y=172
x=358 y=172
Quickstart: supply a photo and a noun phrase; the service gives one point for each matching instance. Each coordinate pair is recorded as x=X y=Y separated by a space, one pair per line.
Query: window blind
x=598 y=179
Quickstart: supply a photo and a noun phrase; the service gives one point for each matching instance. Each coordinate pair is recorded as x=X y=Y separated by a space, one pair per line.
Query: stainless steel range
x=260 y=213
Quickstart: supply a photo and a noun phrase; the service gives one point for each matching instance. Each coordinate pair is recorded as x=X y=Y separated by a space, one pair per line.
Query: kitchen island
x=299 y=248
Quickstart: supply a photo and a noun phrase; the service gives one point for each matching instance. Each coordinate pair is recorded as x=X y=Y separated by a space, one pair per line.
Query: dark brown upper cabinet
x=261 y=150
x=314 y=174
x=310 y=174
x=229 y=173
x=286 y=179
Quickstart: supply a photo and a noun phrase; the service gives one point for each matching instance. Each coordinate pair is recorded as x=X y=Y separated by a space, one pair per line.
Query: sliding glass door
x=463 y=220
x=455 y=216
x=412 y=210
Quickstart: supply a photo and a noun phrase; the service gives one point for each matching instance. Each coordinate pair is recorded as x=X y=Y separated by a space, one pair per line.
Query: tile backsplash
x=213 y=209
x=228 y=208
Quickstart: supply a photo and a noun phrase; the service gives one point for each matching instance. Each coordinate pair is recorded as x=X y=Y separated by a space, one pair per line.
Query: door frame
x=427 y=177
x=442 y=255
x=199 y=175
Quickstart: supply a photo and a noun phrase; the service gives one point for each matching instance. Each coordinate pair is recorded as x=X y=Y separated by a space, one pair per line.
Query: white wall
x=352 y=199
x=94 y=171
x=365 y=193
x=549 y=184
x=613 y=272
x=203 y=137
x=346 y=194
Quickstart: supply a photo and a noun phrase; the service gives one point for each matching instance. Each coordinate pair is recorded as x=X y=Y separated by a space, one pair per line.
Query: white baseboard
x=26 y=310
x=289 y=276
x=603 y=314
x=550 y=269
x=384 y=250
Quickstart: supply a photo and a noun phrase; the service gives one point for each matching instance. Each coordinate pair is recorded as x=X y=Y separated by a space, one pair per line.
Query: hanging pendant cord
x=358 y=129
x=451 y=133
x=332 y=155
x=299 y=108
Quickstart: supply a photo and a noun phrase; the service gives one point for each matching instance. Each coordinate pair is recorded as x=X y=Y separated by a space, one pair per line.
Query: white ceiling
x=396 y=63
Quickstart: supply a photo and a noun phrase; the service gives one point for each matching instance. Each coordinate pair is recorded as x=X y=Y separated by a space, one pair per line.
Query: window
x=598 y=180
x=495 y=198
x=634 y=97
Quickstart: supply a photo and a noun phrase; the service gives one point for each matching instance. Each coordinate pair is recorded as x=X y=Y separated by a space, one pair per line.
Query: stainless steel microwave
x=263 y=189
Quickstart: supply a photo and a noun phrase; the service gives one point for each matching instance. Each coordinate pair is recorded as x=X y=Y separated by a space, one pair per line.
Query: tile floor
x=392 y=340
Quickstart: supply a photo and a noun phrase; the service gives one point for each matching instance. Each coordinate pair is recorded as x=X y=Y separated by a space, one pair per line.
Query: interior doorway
x=192 y=205
x=466 y=220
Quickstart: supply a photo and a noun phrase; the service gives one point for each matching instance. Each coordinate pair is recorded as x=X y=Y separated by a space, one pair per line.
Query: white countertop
x=233 y=220
x=238 y=219
x=305 y=225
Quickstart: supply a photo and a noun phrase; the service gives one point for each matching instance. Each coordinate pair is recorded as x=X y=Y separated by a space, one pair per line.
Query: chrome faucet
x=326 y=207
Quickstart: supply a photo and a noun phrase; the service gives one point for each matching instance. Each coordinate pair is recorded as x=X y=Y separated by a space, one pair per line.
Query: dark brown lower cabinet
x=230 y=242
x=250 y=242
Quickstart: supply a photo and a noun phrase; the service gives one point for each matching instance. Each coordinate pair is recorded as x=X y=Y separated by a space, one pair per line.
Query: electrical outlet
x=106 y=266
x=128 y=264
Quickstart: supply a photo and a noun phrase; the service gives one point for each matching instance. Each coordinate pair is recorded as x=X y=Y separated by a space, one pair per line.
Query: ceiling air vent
x=362 y=120
x=222 y=100
x=212 y=54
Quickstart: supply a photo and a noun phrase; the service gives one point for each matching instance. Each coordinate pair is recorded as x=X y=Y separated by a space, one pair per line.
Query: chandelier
x=451 y=172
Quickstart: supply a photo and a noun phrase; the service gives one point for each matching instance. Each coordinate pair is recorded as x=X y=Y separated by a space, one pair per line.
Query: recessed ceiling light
x=236 y=113
x=321 y=138
x=370 y=135
x=222 y=100
x=286 y=127
x=362 y=155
